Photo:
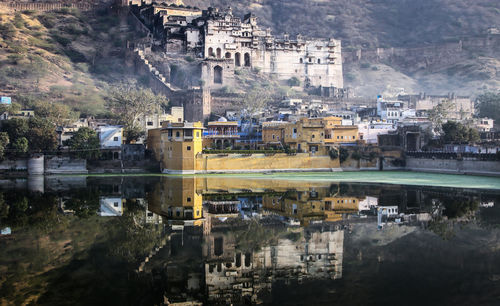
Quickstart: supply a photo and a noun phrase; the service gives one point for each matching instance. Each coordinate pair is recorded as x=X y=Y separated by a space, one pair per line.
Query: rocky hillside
x=65 y=56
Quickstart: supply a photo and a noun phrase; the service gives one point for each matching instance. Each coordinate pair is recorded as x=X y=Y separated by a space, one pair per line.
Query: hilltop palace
x=226 y=43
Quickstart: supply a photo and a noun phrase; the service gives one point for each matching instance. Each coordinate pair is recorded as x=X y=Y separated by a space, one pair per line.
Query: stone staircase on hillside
x=155 y=73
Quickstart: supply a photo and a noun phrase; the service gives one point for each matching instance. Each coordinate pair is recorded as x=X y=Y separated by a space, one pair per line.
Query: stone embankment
x=40 y=164
x=453 y=166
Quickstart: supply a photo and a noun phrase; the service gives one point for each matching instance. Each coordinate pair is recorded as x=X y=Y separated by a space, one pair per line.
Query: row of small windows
x=187 y=133
x=310 y=60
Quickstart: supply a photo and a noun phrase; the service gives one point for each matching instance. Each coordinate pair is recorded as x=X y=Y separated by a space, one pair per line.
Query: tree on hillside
x=56 y=113
x=20 y=145
x=489 y=106
x=438 y=114
x=42 y=135
x=16 y=128
x=4 y=141
x=130 y=104
x=456 y=132
x=85 y=143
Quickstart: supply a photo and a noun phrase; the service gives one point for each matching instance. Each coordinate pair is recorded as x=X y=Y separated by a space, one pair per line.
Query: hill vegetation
x=63 y=57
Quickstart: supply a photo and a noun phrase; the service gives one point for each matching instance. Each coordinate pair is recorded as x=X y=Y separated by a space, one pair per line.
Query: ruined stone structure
x=226 y=43
x=459 y=107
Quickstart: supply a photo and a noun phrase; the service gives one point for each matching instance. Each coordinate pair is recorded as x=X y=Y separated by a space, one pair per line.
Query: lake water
x=329 y=239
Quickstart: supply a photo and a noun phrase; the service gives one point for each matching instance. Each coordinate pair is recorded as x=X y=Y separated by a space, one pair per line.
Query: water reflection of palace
x=193 y=198
x=218 y=266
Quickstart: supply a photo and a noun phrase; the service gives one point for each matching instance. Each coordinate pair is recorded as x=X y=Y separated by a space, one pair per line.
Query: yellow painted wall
x=279 y=161
x=154 y=142
x=273 y=134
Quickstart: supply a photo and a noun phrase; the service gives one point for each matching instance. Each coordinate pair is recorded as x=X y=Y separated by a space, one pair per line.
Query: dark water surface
x=234 y=240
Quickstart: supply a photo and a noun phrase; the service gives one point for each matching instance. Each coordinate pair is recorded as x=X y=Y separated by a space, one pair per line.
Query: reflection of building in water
x=177 y=199
x=110 y=206
x=310 y=206
x=368 y=203
x=336 y=208
x=234 y=276
x=223 y=208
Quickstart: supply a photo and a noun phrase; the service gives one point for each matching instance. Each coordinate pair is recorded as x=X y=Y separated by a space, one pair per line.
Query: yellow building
x=180 y=143
x=177 y=199
x=319 y=134
x=221 y=134
x=273 y=132
x=179 y=148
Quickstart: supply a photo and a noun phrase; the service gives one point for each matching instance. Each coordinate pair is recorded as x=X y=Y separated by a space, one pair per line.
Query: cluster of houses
x=292 y=125
x=316 y=127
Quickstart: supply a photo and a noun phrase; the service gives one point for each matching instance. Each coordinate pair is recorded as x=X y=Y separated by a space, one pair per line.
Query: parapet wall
x=453 y=166
x=444 y=53
x=212 y=163
x=43 y=6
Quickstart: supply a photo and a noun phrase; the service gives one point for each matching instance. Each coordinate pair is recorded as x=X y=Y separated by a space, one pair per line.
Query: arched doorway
x=210 y=52
x=247 y=60
x=217 y=75
x=228 y=55
x=219 y=53
x=237 y=59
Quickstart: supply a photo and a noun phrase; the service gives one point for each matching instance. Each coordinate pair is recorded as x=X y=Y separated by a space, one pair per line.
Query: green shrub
x=374 y=68
x=28 y=12
x=293 y=81
x=18 y=21
x=75 y=56
x=334 y=154
x=64 y=41
x=343 y=154
x=48 y=20
x=8 y=31
x=365 y=65
x=356 y=155
x=189 y=59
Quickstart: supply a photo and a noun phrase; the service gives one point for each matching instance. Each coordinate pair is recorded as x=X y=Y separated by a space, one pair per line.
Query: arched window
x=247 y=60
x=217 y=74
x=219 y=53
x=319 y=61
x=301 y=60
x=218 y=246
x=248 y=259
x=210 y=52
x=228 y=55
x=237 y=59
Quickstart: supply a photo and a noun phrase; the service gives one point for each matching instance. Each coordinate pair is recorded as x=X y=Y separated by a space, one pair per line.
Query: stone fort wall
x=44 y=6
x=427 y=56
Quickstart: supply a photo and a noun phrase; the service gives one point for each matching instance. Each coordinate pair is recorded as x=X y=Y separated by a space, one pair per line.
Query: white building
x=110 y=136
x=110 y=207
x=484 y=124
x=368 y=203
x=369 y=131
